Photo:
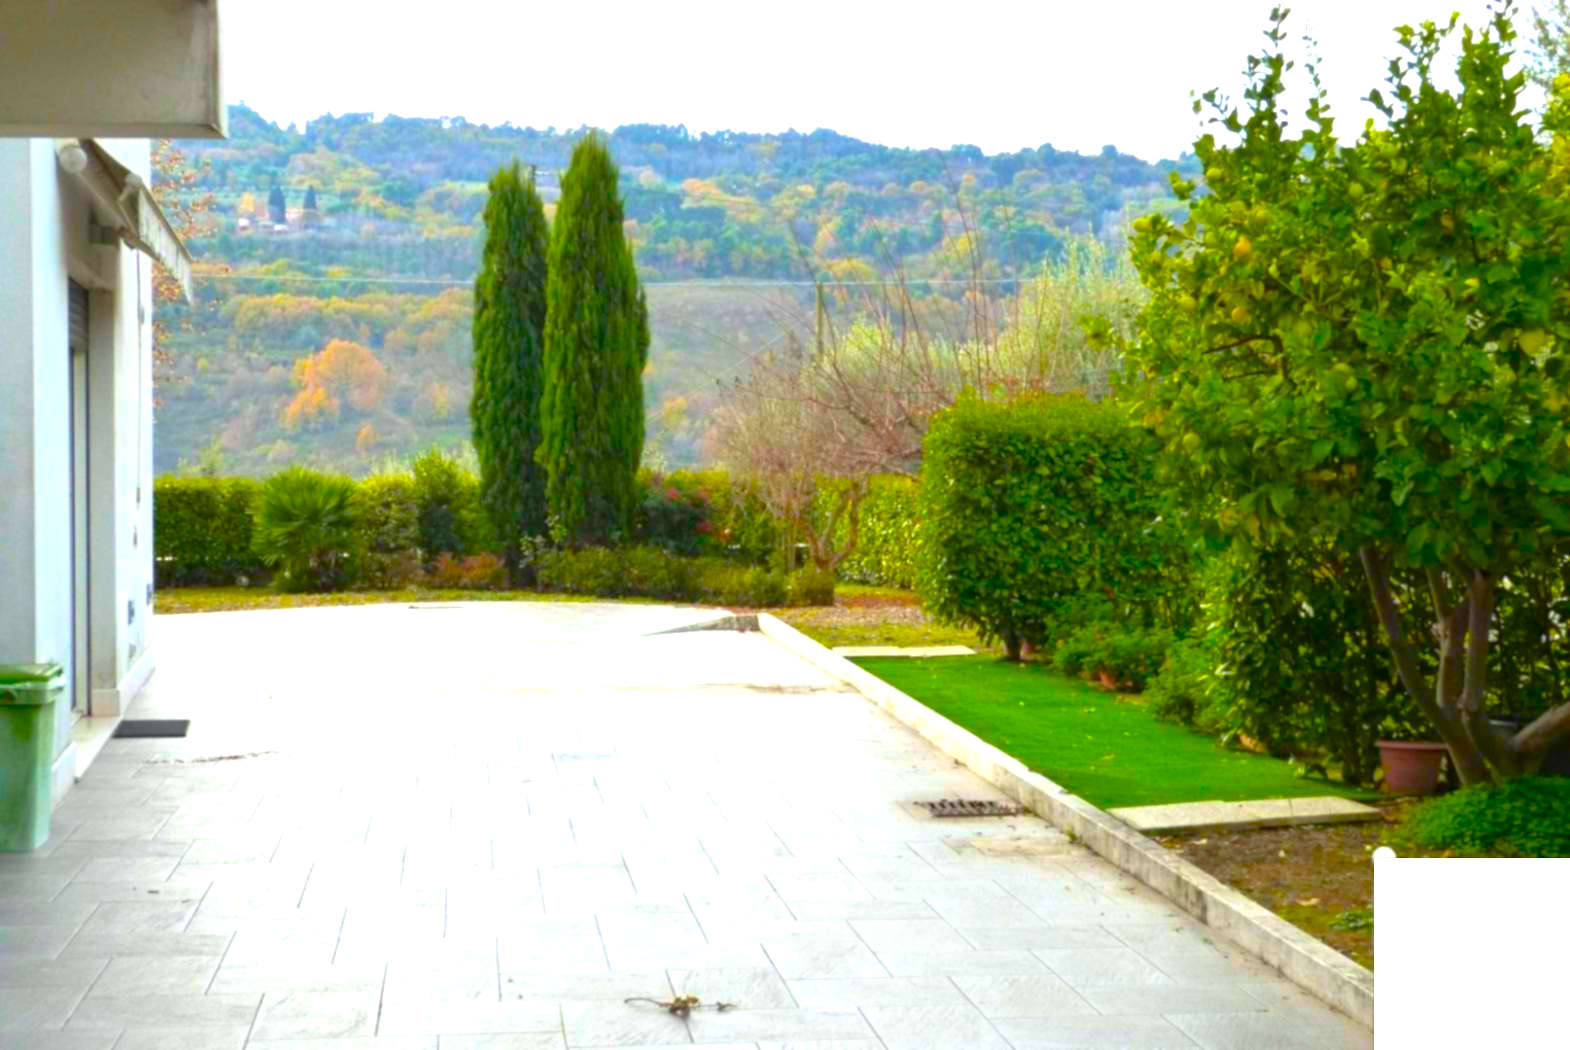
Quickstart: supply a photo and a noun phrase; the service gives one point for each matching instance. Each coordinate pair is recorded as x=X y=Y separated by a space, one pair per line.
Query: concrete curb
x=1304 y=960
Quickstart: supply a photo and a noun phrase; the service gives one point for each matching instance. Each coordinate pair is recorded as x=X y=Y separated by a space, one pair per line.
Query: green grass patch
x=1109 y=749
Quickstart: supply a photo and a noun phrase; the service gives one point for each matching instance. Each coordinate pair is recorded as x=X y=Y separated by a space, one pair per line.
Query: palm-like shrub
x=305 y=529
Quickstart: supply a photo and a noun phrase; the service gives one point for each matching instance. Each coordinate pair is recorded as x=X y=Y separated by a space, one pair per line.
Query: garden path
x=486 y=826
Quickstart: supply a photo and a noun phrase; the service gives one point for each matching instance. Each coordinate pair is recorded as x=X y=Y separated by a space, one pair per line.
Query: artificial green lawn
x=1105 y=748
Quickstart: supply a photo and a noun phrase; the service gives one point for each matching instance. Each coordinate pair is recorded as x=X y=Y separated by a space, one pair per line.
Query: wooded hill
x=367 y=232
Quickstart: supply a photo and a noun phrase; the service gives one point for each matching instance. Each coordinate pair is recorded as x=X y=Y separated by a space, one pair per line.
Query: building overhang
x=110 y=69
x=122 y=199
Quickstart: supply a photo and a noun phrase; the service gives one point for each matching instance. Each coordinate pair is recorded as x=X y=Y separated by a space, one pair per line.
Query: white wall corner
x=112 y=703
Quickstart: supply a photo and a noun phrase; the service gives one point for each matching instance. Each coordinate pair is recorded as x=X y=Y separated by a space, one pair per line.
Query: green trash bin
x=27 y=749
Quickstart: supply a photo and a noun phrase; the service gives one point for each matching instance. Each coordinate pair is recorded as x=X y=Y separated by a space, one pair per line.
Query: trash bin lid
x=29 y=674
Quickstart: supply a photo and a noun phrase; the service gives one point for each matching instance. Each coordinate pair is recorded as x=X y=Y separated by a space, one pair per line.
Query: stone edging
x=1304 y=960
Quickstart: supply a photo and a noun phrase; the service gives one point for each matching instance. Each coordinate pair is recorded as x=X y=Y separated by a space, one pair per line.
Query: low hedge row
x=649 y=572
x=202 y=531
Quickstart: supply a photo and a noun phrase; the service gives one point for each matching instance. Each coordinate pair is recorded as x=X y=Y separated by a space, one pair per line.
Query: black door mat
x=153 y=727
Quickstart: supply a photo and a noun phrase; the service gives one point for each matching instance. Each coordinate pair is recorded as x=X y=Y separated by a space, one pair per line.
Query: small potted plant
x=1411 y=766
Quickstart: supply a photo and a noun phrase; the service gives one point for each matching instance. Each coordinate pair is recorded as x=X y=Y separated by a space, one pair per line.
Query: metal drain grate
x=970 y=807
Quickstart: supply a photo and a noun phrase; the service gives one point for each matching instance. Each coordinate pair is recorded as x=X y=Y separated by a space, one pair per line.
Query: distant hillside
x=385 y=258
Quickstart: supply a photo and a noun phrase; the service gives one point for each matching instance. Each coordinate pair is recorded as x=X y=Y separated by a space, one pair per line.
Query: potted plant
x=1411 y=766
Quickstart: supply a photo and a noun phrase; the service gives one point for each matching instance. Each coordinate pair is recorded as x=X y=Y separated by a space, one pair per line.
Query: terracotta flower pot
x=1411 y=768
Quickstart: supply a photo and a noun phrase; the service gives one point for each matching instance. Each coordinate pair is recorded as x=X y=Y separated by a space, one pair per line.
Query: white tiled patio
x=483 y=827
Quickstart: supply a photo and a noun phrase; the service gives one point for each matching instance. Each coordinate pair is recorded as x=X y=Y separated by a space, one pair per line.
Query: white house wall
x=44 y=241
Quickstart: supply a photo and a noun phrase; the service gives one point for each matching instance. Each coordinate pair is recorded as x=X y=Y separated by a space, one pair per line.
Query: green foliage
x=1122 y=658
x=389 y=521
x=1354 y=920
x=1181 y=690
x=885 y=552
x=596 y=346
x=1338 y=349
x=1396 y=363
x=694 y=512
x=509 y=322
x=726 y=583
x=650 y=572
x=307 y=529
x=810 y=586
x=1032 y=511
x=202 y=531
x=1527 y=817
x=452 y=519
x=599 y=571
x=1302 y=666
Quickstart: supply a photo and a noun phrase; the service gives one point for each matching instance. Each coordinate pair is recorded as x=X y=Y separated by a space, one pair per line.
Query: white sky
x=1000 y=76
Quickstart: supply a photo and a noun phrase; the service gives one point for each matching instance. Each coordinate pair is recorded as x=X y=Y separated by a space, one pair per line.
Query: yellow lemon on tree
x=1243 y=249
x=1533 y=340
x=1192 y=442
x=1240 y=314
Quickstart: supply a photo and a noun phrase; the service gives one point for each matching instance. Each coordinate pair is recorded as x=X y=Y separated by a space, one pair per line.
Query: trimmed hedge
x=648 y=572
x=390 y=532
x=1041 y=515
x=202 y=532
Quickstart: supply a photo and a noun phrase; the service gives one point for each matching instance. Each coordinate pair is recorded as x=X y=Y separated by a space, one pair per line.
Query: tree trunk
x=1438 y=707
x=1011 y=646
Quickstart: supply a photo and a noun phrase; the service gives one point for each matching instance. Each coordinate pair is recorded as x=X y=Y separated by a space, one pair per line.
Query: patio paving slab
x=483 y=826
x=1266 y=813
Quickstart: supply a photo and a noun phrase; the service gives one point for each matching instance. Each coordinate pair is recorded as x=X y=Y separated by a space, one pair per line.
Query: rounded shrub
x=1034 y=510
x=451 y=516
x=389 y=521
x=306 y=529
x=1528 y=817
x=810 y=586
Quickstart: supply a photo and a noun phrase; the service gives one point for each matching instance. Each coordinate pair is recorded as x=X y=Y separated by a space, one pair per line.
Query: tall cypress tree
x=596 y=344
x=509 y=324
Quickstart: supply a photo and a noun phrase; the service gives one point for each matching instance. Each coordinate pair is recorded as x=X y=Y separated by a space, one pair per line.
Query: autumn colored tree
x=190 y=211
x=342 y=371
x=596 y=345
x=1364 y=344
x=509 y=324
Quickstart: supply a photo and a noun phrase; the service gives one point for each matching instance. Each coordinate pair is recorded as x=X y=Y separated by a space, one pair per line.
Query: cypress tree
x=509 y=323
x=596 y=343
x=276 y=209
x=310 y=198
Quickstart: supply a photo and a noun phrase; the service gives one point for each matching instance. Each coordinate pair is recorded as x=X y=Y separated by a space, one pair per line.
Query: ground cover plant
x=1525 y=817
x=1107 y=748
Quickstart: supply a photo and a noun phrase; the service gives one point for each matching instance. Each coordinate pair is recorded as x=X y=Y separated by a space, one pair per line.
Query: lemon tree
x=1366 y=341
